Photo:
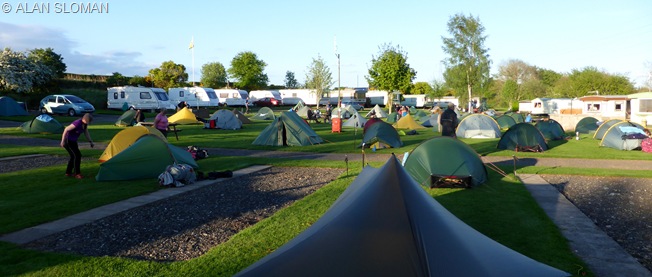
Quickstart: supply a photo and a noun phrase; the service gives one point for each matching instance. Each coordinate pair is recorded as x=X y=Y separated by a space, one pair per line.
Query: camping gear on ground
x=9 y=107
x=224 y=119
x=586 y=125
x=177 y=175
x=445 y=162
x=381 y=132
x=355 y=121
x=264 y=113
x=146 y=158
x=602 y=129
x=646 y=145
x=408 y=122
x=288 y=129
x=505 y=121
x=551 y=129
x=377 y=112
x=183 y=116
x=385 y=224
x=523 y=137
x=42 y=124
x=197 y=153
x=126 y=119
x=624 y=135
x=241 y=116
x=125 y=138
x=478 y=126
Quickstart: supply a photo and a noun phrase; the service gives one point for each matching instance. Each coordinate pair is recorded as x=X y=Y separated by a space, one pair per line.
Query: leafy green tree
x=439 y=89
x=468 y=62
x=319 y=77
x=422 y=88
x=510 y=92
x=50 y=59
x=116 y=79
x=138 y=81
x=590 y=79
x=169 y=75
x=213 y=75
x=290 y=81
x=248 y=71
x=20 y=74
x=390 y=71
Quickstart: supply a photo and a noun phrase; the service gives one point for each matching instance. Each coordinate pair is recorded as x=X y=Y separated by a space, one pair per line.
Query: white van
x=232 y=97
x=194 y=96
x=259 y=94
x=137 y=98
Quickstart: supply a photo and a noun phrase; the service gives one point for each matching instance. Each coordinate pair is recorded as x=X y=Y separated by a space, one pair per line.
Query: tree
x=468 y=62
x=590 y=79
x=319 y=77
x=439 y=89
x=50 y=59
x=422 y=88
x=390 y=71
x=138 y=81
x=213 y=75
x=290 y=81
x=116 y=79
x=510 y=93
x=20 y=74
x=521 y=81
x=169 y=75
x=247 y=70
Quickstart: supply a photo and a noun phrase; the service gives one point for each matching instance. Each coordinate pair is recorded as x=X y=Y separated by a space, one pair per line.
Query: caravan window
x=161 y=96
x=122 y=94
x=224 y=95
x=645 y=106
x=145 y=95
x=211 y=94
x=181 y=93
x=115 y=95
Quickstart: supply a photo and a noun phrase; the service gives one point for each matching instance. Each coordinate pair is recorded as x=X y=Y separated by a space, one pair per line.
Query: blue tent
x=9 y=107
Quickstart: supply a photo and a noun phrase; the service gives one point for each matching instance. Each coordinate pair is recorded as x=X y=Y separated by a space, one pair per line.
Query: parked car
x=65 y=104
x=355 y=105
x=267 y=102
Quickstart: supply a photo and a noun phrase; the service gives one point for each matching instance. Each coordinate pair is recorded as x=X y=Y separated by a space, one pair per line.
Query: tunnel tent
x=505 y=121
x=624 y=135
x=478 y=126
x=523 y=137
x=604 y=126
x=551 y=129
x=587 y=125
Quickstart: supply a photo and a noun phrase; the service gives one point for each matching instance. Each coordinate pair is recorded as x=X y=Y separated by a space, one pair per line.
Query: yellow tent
x=408 y=122
x=184 y=116
x=126 y=138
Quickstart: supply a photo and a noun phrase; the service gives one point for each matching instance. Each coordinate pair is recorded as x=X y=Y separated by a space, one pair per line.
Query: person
x=247 y=105
x=139 y=117
x=448 y=121
x=182 y=105
x=161 y=122
x=528 y=118
x=69 y=142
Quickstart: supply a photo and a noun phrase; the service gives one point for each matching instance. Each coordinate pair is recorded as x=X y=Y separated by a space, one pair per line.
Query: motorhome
x=293 y=96
x=555 y=106
x=414 y=100
x=357 y=96
x=232 y=97
x=194 y=96
x=137 y=98
x=259 y=94
x=377 y=97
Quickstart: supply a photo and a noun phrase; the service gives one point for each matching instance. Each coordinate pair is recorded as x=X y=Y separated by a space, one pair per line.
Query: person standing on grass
x=448 y=121
x=161 y=122
x=69 y=142
x=247 y=105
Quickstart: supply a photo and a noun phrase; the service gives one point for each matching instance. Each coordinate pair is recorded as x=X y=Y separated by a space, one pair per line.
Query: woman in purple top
x=69 y=142
x=161 y=122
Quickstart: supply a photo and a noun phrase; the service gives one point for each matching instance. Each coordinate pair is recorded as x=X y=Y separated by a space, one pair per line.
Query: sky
x=132 y=37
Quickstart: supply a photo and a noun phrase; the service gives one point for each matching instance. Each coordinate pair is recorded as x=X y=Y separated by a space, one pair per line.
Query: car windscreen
x=75 y=99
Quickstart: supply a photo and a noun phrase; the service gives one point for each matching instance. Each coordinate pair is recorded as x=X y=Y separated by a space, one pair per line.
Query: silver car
x=65 y=104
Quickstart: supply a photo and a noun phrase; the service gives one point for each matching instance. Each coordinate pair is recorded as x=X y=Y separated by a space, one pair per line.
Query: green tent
x=445 y=158
x=599 y=133
x=288 y=129
x=299 y=105
x=9 y=107
x=126 y=119
x=518 y=117
x=381 y=132
x=624 y=135
x=303 y=111
x=420 y=114
x=586 y=125
x=523 y=137
x=392 y=117
x=478 y=126
x=42 y=124
x=505 y=121
x=264 y=113
x=148 y=157
x=551 y=129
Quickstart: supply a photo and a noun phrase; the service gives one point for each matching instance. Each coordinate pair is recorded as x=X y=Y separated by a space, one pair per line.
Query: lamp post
x=339 y=87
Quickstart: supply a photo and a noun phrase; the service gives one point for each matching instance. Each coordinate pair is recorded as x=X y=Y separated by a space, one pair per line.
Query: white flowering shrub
x=17 y=73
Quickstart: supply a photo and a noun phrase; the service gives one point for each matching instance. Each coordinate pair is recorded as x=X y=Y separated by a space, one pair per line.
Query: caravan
x=194 y=96
x=232 y=97
x=260 y=94
x=293 y=96
x=137 y=98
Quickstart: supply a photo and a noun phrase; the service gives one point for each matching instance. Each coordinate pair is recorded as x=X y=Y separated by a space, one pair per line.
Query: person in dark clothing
x=69 y=142
x=139 y=117
x=448 y=121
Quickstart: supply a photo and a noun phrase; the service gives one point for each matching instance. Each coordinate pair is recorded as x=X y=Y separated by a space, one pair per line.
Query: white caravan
x=414 y=100
x=377 y=97
x=232 y=97
x=292 y=96
x=137 y=98
x=259 y=94
x=194 y=96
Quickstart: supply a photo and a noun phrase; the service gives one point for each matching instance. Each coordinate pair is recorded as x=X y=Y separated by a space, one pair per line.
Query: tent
x=385 y=224
x=288 y=129
x=125 y=138
x=392 y=117
x=341 y=113
x=505 y=121
x=380 y=113
x=9 y=107
x=148 y=157
x=518 y=117
x=303 y=111
x=299 y=105
x=241 y=116
x=42 y=124
x=586 y=125
x=408 y=122
x=381 y=132
x=478 y=126
x=225 y=119
x=445 y=158
x=624 y=135
x=264 y=113
x=126 y=119
x=430 y=121
x=551 y=129
x=420 y=114
x=183 y=116
x=599 y=133
x=370 y=122
x=523 y=137
x=355 y=121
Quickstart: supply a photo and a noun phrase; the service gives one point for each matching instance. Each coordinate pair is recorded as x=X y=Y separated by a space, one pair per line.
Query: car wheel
x=44 y=110
x=71 y=112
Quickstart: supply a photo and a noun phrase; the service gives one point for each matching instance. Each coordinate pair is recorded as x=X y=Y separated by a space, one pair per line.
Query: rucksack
x=197 y=153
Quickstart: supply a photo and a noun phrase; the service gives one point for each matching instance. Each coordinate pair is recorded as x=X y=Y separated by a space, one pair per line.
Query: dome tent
x=551 y=129
x=408 y=122
x=288 y=129
x=355 y=121
x=183 y=116
x=381 y=132
x=264 y=113
x=624 y=135
x=9 y=107
x=586 y=125
x=378 y=112
x=505 y=121
x=225 y=119
x=599 y=133
x=478 y=126
x=125 y=138
x=126 y=119
x=42 y=124
x=523 y=137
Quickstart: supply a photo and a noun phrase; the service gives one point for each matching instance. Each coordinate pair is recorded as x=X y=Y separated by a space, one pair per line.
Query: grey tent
x=9 y=107
x=303 y=111
x=385 y=224
x=599 y=133
x=355 y=121
x=241 y=116
x=430 y=121
x=624 y=135
x=264 y=113
x=288 y=129
x=478 y=126
x=377 y=111
x=225 y=119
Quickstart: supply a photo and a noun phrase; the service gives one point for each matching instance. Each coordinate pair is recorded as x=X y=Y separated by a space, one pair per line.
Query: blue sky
x=135 y=36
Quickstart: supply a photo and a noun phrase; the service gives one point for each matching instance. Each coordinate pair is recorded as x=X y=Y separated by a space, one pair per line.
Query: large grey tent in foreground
x=385 y=224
